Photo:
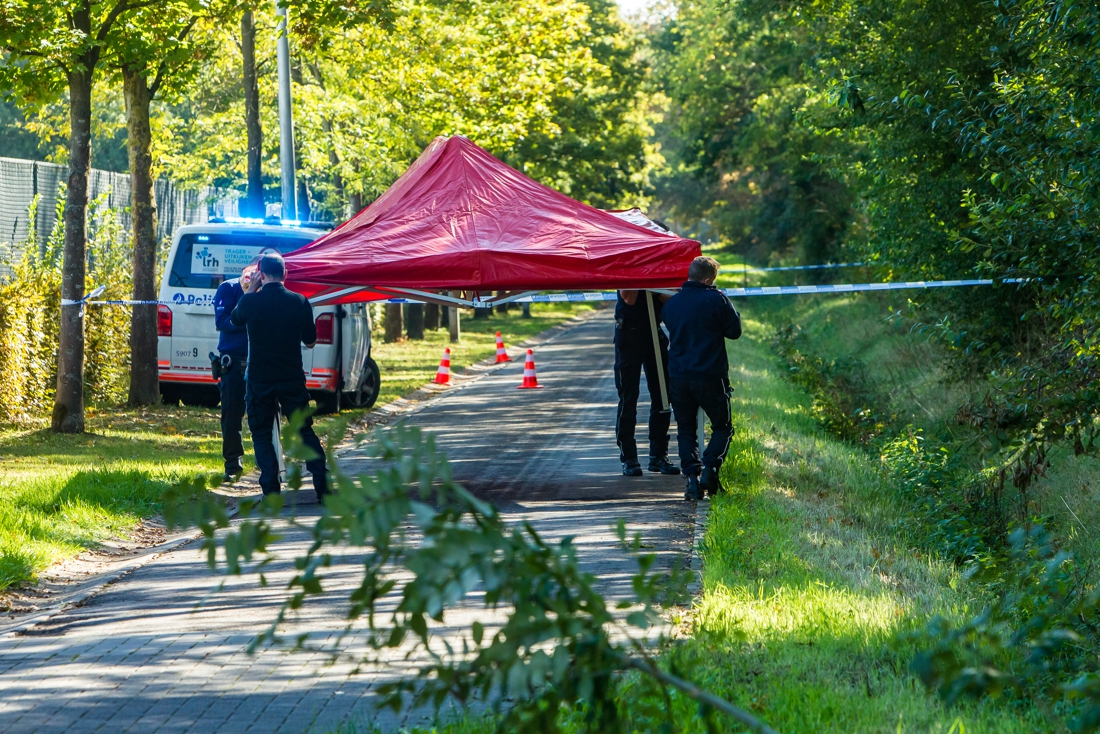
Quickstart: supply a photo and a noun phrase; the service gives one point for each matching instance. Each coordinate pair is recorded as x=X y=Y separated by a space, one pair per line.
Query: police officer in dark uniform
x=633 y=353
x=279 y=322
x=699 y=319
x=232 y=357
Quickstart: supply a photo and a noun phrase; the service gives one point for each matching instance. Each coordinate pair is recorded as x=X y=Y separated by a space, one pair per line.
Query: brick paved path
x=162 y=651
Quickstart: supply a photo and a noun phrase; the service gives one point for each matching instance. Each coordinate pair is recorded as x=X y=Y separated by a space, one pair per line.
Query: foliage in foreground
x=1040 y=638
x=429 y=543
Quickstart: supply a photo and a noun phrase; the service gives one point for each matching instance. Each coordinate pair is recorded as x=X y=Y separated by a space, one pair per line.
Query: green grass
x=813 y=577
x=406 y=365
x=60 y=495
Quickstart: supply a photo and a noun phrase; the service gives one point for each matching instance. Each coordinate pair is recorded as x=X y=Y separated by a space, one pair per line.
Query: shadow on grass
x=43 y=519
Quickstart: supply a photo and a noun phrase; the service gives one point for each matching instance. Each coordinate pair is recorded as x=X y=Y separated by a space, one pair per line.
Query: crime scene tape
x=734 y=269
x=583 y=297
x=125 y=302
x=783 y=290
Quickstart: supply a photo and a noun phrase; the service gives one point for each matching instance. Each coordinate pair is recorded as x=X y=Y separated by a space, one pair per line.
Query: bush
x=844 y=398
x=30 y=305
x=1039 y=640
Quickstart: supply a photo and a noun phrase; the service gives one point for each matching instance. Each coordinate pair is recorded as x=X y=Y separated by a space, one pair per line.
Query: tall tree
x=157 y=51
x=50 y=47
x=254 y=196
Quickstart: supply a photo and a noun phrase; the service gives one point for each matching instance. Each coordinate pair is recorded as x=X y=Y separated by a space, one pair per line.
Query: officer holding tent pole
x=278 y=323
x=640 y=345
x=699 y=319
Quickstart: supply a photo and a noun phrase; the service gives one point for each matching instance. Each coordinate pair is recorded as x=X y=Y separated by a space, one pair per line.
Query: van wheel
x=169 y=394
x=326 y=401
x=369 y=387
x=200 y=396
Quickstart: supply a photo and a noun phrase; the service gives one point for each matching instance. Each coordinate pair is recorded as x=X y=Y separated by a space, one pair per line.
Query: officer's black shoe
x=632 y=469
x=663 y=465
x=709 y=481
x=232 y=474
x=693 y=492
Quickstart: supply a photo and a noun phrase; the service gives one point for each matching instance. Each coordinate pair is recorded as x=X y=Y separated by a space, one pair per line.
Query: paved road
x=162 y=651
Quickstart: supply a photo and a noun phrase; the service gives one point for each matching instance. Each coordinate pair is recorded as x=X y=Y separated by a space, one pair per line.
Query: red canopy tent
x=461 y=220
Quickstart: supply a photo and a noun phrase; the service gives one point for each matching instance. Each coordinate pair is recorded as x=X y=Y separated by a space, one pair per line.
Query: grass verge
x=812 y=581
x=812 y=578
x=61 y=494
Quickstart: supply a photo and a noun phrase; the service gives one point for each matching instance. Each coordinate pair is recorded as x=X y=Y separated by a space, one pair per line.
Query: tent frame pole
x=649 y=296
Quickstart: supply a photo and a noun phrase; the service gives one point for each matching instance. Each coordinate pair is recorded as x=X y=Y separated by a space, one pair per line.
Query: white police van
x=338 y=370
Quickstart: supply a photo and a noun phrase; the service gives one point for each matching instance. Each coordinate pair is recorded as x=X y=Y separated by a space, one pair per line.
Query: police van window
x=206 y=260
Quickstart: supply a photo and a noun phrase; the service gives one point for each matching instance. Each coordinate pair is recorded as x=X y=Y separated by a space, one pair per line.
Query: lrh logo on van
x=207 y=258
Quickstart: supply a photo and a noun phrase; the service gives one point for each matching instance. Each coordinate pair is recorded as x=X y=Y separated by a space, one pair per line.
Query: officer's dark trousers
x=264 y=400
x=633 y=353
x=231 y=387
x=713 y=396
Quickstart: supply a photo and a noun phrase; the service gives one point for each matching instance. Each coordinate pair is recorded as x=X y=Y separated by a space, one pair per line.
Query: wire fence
x=21 y=181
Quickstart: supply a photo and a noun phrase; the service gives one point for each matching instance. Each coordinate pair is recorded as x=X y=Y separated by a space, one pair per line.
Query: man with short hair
x=278 y=322
x=233 y=355
x=699 y=319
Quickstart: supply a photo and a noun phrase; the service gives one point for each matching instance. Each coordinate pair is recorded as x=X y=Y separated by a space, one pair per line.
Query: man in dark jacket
x=233 y=354
x=279 y=322
x=634 y=352
x=699 y=319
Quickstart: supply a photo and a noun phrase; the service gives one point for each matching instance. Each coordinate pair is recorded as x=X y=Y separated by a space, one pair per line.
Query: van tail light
x=325 y=328
x=164 y=321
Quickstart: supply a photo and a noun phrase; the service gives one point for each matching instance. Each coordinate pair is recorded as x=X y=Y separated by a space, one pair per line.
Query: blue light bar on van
x=235 y=220
x=272 y=222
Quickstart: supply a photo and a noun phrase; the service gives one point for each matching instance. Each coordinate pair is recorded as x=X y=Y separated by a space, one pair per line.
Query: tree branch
x=121 y=7
x=695 y=692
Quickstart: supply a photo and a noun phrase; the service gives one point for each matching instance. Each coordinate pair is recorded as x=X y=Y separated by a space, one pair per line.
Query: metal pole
x=701 y=423
x=275 y=438
x=286 y=119
x=657 y=351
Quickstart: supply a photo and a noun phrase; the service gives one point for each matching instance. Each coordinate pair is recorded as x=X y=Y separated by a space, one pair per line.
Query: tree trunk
x=415 y=327
x=393 y=322
x=68 y=408
x=144 y=389
x=254 y=206
x=303 y=193
x=454 y=324
x=355 y=205
x=431 y=316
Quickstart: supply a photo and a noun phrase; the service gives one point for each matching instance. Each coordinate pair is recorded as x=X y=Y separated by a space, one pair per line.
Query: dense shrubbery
x=29 y=320
x=961 y=137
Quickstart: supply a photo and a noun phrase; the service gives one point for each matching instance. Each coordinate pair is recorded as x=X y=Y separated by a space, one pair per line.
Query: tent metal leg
x=278 y=441
x=657 y=351
x=701 y=424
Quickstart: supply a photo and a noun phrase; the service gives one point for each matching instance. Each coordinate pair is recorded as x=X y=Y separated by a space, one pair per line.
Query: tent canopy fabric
x=459 y=219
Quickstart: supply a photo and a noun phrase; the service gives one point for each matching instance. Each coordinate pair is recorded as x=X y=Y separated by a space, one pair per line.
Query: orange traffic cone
x=443 y=374
x=502 y=354
x=529 y=379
